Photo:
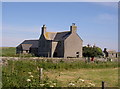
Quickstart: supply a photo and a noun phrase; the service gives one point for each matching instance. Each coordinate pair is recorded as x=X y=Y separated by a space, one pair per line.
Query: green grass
x=15 y=74
x=8 y=51
x=95 y=76
x=11 y=52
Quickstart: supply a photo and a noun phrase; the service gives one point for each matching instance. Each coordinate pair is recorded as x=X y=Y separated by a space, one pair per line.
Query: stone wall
x=54 y=60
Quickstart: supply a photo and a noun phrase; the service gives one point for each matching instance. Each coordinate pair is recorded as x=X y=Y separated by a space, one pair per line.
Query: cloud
x=11 y=41
x=20 y=28
x=105 y=17
x=108 y=4
x=12 y=35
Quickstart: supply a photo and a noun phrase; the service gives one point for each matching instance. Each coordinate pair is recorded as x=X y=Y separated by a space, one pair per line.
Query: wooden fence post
x=103 y=85
x=40 y=74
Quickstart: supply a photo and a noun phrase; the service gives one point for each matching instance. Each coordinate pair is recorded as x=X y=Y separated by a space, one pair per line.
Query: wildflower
x=71 y=84
x=42 y=85
x=29 y=73
x=92 y=84
x=51 y=86
x=37 y=68
x=81 y=80
x=31 y=76
x=28 y=80
x=50 y=81
x=54 y=84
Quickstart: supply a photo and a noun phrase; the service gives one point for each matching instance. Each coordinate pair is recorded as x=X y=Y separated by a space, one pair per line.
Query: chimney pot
x=73 y=23
x=44 y=29
x=73 y=28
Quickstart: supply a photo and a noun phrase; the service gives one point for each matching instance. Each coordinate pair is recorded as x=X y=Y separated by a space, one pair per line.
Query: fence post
x=103 y=85
x=40 y=74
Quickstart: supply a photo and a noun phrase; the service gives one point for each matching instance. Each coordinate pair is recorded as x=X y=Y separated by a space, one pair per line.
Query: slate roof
x=57 y=36
x=28 y=43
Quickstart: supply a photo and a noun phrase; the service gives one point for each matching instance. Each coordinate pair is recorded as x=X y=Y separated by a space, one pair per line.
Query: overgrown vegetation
x=92 y=51
x=7 y=51
x=16 y=73
x=11 y=52
x=25 y=73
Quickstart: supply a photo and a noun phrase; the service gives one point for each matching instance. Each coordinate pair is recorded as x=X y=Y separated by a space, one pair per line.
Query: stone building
x=110 y=53
x=54 y=44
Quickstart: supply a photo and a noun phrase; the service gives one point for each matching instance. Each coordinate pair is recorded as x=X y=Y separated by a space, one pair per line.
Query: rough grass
x=11 y=52
x=15 y=74
x=7 y=51
x=94 y=76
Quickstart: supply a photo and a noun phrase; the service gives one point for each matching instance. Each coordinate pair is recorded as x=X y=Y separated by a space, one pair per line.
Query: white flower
x=31 y=76
x=50 y=81
x=71 y=84
x=51 y=86
x=92 y=84
x=54 y=84
x=29 y=73
x=28 y=80
x=42 y=85
x=81 y=80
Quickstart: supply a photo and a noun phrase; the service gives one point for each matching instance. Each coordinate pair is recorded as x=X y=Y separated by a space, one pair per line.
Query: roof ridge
x=31 y=40
x=63 y=31
x=57 y=32
x=51 y=32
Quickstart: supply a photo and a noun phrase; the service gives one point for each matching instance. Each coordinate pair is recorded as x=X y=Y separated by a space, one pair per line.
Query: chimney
x=43 y=29
x=73 y=28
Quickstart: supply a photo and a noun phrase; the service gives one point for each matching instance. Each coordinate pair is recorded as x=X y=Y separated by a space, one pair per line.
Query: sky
x=97 y=22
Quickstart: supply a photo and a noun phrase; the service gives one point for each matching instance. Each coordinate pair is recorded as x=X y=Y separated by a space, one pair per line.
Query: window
x=77 y=54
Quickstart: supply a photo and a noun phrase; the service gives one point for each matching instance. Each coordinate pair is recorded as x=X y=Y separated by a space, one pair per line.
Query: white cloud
x=20 y=29
x=107 y=17
x=108 y=4
x=11 y=41
x=12 y=36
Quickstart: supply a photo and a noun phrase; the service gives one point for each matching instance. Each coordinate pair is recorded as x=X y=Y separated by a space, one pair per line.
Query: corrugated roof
x=57 y=36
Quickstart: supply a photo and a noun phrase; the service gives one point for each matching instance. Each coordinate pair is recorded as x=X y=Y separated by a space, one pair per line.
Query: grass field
x=11 y=52
x=7 y=51
x=25 y=73
x=83 y=77
x=16 y=74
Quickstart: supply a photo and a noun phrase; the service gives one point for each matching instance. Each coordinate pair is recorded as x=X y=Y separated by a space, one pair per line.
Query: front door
x=55 y=54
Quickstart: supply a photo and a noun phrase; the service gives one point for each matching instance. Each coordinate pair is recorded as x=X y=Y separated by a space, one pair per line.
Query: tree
x=92 y=51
